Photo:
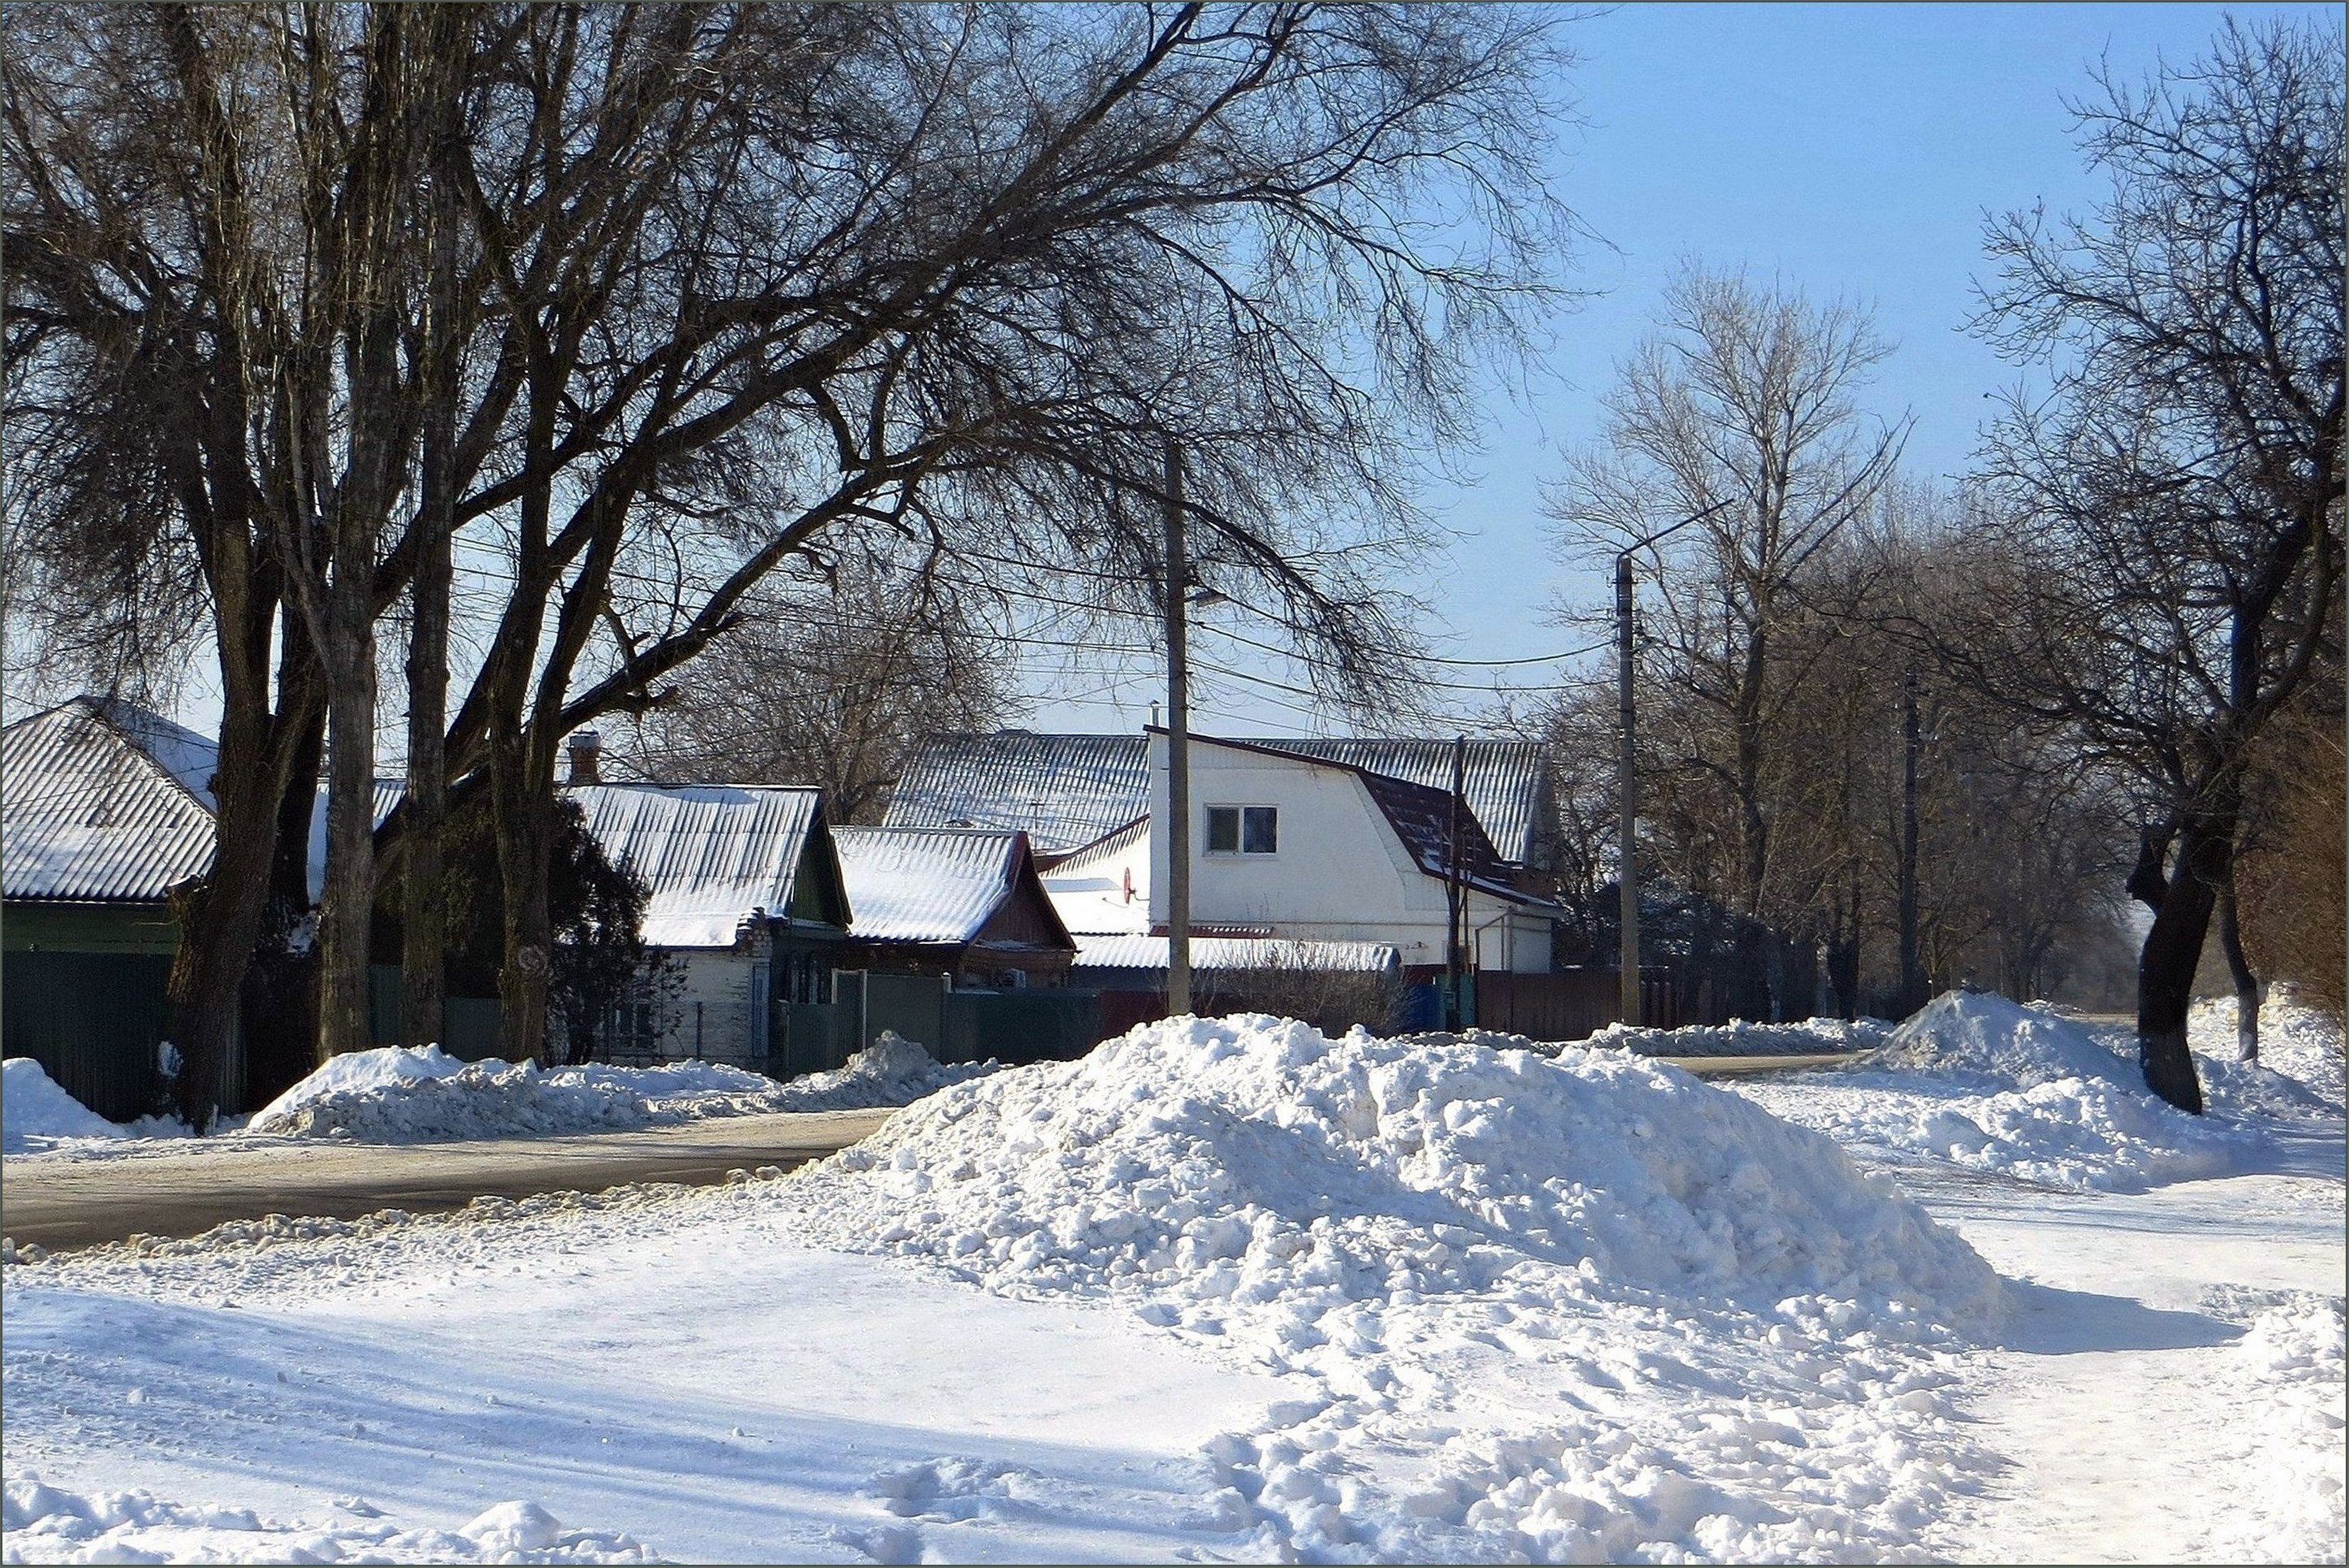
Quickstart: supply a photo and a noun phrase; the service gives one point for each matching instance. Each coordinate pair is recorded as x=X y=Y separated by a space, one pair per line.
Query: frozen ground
x=1232 y=1291
x=398 y=1095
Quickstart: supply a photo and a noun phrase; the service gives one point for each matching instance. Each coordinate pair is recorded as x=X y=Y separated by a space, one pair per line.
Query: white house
x=1299 y=842
x=1319 y=850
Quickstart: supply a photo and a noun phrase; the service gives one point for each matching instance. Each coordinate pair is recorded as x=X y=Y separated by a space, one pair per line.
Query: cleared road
x=63 y=1204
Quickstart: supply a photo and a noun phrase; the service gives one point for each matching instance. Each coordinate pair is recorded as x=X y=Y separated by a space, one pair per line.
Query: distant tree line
x=1942 y=733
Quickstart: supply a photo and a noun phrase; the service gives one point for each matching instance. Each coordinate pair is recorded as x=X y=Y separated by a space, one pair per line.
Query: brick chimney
x=586 y=750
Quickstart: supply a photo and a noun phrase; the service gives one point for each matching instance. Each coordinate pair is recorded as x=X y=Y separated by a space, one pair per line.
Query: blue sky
x=1848 y=150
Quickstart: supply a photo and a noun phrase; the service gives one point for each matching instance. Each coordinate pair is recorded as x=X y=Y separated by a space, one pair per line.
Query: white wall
x=1340 y=872
x=719 y=980
x=1089 y=890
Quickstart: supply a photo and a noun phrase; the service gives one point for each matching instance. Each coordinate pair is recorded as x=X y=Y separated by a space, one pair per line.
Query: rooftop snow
x=926 y=885
x=92 y=813
x=714 y=855
x=1231 y=953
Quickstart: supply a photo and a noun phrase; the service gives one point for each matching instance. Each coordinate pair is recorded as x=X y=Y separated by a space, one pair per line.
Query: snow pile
x=34 y=1113
x=1744 y=1038
x=2286 y=1376
x=359 y=1072
x=1581 y=1308
x=48 y=1524
x=890 y=1072
x=479 y=1099
x=1986 y=1084
x=2300 y=1049
x=1983 y=1034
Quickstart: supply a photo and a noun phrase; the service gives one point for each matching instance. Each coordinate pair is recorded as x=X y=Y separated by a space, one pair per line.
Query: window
x=1243 y=829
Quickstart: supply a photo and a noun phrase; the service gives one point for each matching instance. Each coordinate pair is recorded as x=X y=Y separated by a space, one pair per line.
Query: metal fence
x=93 y=1021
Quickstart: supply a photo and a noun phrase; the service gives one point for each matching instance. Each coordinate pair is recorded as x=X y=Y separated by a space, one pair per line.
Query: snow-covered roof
x=1237 y=952
x=1068 y=790
x=1062 y=790
x=927 y=884
x=714 y=855
x=92 y=813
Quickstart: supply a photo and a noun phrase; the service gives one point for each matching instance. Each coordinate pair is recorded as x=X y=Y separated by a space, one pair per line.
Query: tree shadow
x=2044 y=1320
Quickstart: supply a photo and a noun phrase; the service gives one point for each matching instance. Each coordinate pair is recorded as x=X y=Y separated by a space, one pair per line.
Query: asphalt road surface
x=64 y=1203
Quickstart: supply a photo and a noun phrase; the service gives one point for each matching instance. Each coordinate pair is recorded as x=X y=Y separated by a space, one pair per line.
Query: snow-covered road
x=1232 y=1291
x=2138 y=1423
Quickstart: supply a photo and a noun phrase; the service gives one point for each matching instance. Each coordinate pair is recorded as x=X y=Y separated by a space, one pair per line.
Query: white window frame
x=1239 y=830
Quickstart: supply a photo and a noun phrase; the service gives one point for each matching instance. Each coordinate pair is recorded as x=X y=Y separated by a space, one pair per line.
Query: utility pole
x=1626 y=801
x=1178 y=748
x=1912 y=978
x=1625 y=786
x=1455 y=956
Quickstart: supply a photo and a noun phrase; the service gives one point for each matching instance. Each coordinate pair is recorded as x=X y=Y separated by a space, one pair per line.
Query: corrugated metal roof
x=1228 y=952
x=1062 y=790
x=1067 y=791
x=925 y=884
x=1502 y=780
x=88 y=813
x=712 y=854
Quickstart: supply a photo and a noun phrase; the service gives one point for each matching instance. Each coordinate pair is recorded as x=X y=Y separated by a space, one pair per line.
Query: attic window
x=1243 y=829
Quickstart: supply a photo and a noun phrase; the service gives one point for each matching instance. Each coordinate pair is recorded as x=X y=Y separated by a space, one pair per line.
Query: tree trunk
x=2165 y=973
x=521 y=809
x=218 y=920
x=2239 y=969
x=281 y=989
x=345 y=916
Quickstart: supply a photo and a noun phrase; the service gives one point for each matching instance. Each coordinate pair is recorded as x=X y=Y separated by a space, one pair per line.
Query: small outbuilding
x=964 y=902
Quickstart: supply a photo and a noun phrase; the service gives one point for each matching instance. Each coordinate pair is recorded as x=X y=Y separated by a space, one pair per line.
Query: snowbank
x=2299 y=1045
x=34 y=1112
x=1742 y=1038
x=399 y=1096
x=50 y=1524
x=479 y=1099
x=892 y=1070
x=1531 y=1277
x=2292 y=1367
x=1986 y=1084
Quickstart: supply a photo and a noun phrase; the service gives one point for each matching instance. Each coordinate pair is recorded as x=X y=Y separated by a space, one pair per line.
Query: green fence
x=470 y=1026
x=93 y=1021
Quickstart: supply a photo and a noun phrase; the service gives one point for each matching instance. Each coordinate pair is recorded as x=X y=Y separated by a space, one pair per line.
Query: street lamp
x=1626 y=796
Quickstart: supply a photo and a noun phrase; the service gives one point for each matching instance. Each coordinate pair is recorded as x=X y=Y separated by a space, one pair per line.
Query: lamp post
x=1625 y=790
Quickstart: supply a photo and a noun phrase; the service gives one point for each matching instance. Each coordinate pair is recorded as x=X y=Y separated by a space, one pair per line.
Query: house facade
x=748 y=911
x=962 y=902
x=1297 y=841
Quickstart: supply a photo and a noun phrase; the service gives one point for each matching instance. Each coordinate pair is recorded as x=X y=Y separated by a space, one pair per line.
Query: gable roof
x=933 y=884
x=1420 y=818
x=1069 y=790
x=1062 y=790
x=713 y=855
x=92 y=813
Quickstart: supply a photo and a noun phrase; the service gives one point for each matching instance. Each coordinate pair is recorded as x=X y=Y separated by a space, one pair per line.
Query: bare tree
x=735 y=277
x=1743 y=404
x=2160 y=536
x=834 y=685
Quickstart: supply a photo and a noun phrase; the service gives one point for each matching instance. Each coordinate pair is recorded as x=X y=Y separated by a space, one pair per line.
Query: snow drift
x=395 y=1095
x=34 y=1112
x=1990 y=1085
x=1254 y=1160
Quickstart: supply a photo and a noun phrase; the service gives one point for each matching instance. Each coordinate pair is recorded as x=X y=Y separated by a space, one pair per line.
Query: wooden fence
x=1570 y=1005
